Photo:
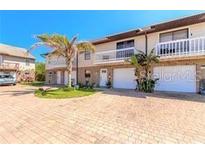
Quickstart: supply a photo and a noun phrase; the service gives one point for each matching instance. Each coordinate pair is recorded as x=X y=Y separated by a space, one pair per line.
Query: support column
x=58 y=77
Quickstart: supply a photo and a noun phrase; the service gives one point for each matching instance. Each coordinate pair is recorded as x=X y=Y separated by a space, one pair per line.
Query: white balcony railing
x=111 y=56
x=178 y=48
x=9 y=66
x=57 y=63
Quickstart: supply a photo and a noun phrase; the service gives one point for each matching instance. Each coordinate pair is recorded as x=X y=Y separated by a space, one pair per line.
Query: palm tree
x=62 y=46
x=143 y=63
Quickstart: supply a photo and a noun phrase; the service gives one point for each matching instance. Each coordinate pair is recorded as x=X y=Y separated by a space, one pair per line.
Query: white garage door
x=124 y=78
x=180 y=78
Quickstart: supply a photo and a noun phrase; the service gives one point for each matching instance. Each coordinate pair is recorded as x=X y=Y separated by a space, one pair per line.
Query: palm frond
x=85 y=46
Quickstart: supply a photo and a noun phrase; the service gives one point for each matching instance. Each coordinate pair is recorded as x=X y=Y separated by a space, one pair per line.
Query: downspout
x=146 y=43
x=77 y=68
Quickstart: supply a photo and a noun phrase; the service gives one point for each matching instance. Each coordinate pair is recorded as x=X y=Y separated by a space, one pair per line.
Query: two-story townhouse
x=17 y=62
x=180 y=44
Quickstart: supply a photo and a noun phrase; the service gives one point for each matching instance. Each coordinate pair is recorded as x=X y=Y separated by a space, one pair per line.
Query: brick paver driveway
x=105 y=117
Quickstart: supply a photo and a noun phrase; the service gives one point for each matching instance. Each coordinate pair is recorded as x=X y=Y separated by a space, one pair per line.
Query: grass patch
x=64 y=93
x=34 y=83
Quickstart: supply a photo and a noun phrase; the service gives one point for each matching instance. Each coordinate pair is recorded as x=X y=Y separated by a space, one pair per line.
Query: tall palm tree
x=62 y=46
x=143 y=62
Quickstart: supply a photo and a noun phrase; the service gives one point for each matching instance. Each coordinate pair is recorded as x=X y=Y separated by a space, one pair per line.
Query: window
x=1 y=59
x=49 y=60
x=126 y=52
x=27 y=62
x=174 y=35
x=105 y=57
x=87 y=55
x=87 y=74
x=125 y=44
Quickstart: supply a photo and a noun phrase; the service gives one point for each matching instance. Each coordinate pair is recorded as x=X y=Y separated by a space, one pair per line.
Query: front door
x=103 y=77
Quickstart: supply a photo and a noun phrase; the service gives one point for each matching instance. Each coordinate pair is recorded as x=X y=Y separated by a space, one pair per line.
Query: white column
x=73 y=76
x=66 y=77
x=58 y=77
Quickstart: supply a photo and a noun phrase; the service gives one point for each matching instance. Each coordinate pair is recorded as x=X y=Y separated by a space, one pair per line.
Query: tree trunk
x=69 y=69
x=69 y=80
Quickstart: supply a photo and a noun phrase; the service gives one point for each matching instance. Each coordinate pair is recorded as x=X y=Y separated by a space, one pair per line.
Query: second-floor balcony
x=57 y=63
x=181 y=48
x=9 y=66
x=118 y=55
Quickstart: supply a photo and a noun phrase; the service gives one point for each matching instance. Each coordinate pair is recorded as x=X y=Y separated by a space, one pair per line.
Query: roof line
x=144 y=27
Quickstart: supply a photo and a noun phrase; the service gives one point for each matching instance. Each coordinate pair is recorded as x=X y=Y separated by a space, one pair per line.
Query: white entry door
x=103 y=77
x=58 y=77
x=180 y=78
x=124 y=78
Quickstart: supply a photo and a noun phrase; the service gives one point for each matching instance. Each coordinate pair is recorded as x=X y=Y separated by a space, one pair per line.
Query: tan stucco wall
x=196 y=30
x=95 y=72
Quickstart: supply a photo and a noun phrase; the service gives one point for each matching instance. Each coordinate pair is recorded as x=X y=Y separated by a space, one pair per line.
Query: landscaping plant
x=143 y=64
x=61 y=46
x=40 y=71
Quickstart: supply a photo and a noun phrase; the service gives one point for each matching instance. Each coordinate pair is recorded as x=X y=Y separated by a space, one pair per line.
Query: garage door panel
x=124 y=78
x=180 y=78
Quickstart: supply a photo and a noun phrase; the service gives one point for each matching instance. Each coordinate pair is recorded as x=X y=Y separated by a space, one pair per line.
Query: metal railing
x=193 y=46
x=114 y=55
x=8 y=65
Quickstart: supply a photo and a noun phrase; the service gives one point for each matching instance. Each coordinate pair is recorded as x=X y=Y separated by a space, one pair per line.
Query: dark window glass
x=27 y=62
x=125 y=44
x=174 y=35
x=87 y=74
x=87 y=55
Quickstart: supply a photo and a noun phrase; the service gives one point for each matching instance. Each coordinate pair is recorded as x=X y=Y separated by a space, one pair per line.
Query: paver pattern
x=105 y=117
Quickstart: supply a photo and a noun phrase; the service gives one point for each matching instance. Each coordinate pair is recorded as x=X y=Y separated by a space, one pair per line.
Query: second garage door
x=124 y=78
x=181 y=78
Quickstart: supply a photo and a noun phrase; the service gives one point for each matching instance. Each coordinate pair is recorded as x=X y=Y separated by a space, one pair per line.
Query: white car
x=7 y=80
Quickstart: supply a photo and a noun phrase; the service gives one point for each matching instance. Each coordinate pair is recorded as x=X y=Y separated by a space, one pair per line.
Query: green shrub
x=147 y=85
x=109 y=84
x=87 y=85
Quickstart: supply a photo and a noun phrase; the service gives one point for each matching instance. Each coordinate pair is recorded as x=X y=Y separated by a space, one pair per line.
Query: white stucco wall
x=21 y=61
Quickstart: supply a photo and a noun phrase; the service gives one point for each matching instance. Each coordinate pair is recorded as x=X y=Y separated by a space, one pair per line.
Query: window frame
x=87 y=53
x=86 y=74
x=125 y=45
x=172 y=32
x=1 y=59
x=27 y=62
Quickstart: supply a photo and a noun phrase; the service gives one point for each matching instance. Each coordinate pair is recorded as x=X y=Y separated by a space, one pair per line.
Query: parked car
x=7 y=80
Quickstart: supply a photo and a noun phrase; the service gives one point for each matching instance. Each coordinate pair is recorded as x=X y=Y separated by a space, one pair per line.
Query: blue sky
x=19 y=27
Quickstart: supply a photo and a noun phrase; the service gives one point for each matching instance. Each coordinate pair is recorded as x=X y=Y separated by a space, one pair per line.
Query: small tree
x=62 y=46
x=143 y=64
x=39 y=71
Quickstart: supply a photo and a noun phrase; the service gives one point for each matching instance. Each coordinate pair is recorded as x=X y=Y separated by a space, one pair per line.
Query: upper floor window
x=87 y=55
x=126 y=52
x=125 y=44
x=173 y=35
x=48 y=60
x=1 y=59
x=27 y=62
